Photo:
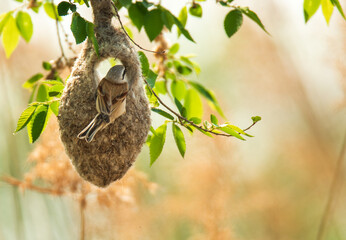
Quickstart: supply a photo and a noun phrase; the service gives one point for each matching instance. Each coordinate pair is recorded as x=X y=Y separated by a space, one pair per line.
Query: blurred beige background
x=273 y=186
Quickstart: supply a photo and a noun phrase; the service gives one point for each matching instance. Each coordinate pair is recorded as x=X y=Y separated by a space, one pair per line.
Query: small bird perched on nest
x=110 y=101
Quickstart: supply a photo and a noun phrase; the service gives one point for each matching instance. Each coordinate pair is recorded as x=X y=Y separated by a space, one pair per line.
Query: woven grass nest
x=115 y=148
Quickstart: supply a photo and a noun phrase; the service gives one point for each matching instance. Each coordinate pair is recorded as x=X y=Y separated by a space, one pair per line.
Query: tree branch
x=17 y=183
x=188 y=121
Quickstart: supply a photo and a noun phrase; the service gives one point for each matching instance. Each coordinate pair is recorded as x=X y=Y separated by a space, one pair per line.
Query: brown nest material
x=115 y=148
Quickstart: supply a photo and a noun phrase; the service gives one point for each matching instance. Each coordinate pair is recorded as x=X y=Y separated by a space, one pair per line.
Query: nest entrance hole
x=103 y=67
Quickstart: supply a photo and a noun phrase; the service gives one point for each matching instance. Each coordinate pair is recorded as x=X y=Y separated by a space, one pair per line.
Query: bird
x=110 y=101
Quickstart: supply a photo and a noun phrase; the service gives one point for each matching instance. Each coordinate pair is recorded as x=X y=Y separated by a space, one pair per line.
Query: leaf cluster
x=44 y=100
x=187 y=98
x=311 y=7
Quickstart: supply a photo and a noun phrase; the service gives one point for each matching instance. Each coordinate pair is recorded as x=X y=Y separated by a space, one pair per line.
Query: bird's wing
x=119 y=95
x=103 y=104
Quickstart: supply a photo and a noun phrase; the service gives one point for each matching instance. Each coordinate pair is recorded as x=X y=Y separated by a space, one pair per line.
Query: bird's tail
x=94 y=126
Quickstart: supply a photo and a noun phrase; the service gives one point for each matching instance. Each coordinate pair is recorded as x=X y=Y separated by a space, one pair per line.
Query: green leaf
x=25 y=118
x=213 y=119
x=37 y=123
x=193 y=104
x=147 y=4
x=174 y=49
x=78 y=28
x=152 y=130
x=73 y=7
x=310 y=8
x=238 y=129
x=189 y=128
x=87 y=3
x=195 y=120
x=46 y=66
x=147 y=142
x=137 y=13
x=335 y=3
x=125 y=3
x=202 y=90
x=163 y=113
x=327 y=9
x=24 y=25
x=167 y=18
x=157 y=142
x=256 y=119
x=55 y=90
x=191 y=63
x=63 y=8
x=180 y=107
x=144 y=63
x=160 y=87
x=151 y=78
x=224 y=4
x=196 y=10
x=91 y=36
x=204 y=132
x=33 y=93
x=10 y=36
x=182 y=29
x=54 y=106
x=168 y=74
x=36 y=7
x=208 y=95
x=153 y=24
x=187 y=60
x=31 y=81
x=52 y=82
x=178 y=89
x=3 y=20
x=51 y=11
x=233 y=21
x=248 y=135
x=42 y=93
x=152 y=99
x=231 y=132
x=253 y=16
x=184 y=70
x=182 y=19
x=179 y=139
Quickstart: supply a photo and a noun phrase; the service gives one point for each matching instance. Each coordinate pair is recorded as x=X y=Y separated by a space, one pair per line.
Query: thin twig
x=332 y=191
x=122 y=26
x=249 y=126
x=185 y=119
x=58 y=32
x=17 y=183
x=69 y=43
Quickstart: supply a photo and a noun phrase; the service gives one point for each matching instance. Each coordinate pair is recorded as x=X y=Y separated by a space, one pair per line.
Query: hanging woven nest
x=115 y=148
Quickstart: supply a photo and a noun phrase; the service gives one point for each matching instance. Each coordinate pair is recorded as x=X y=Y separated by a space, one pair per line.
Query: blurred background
x=273 y=186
